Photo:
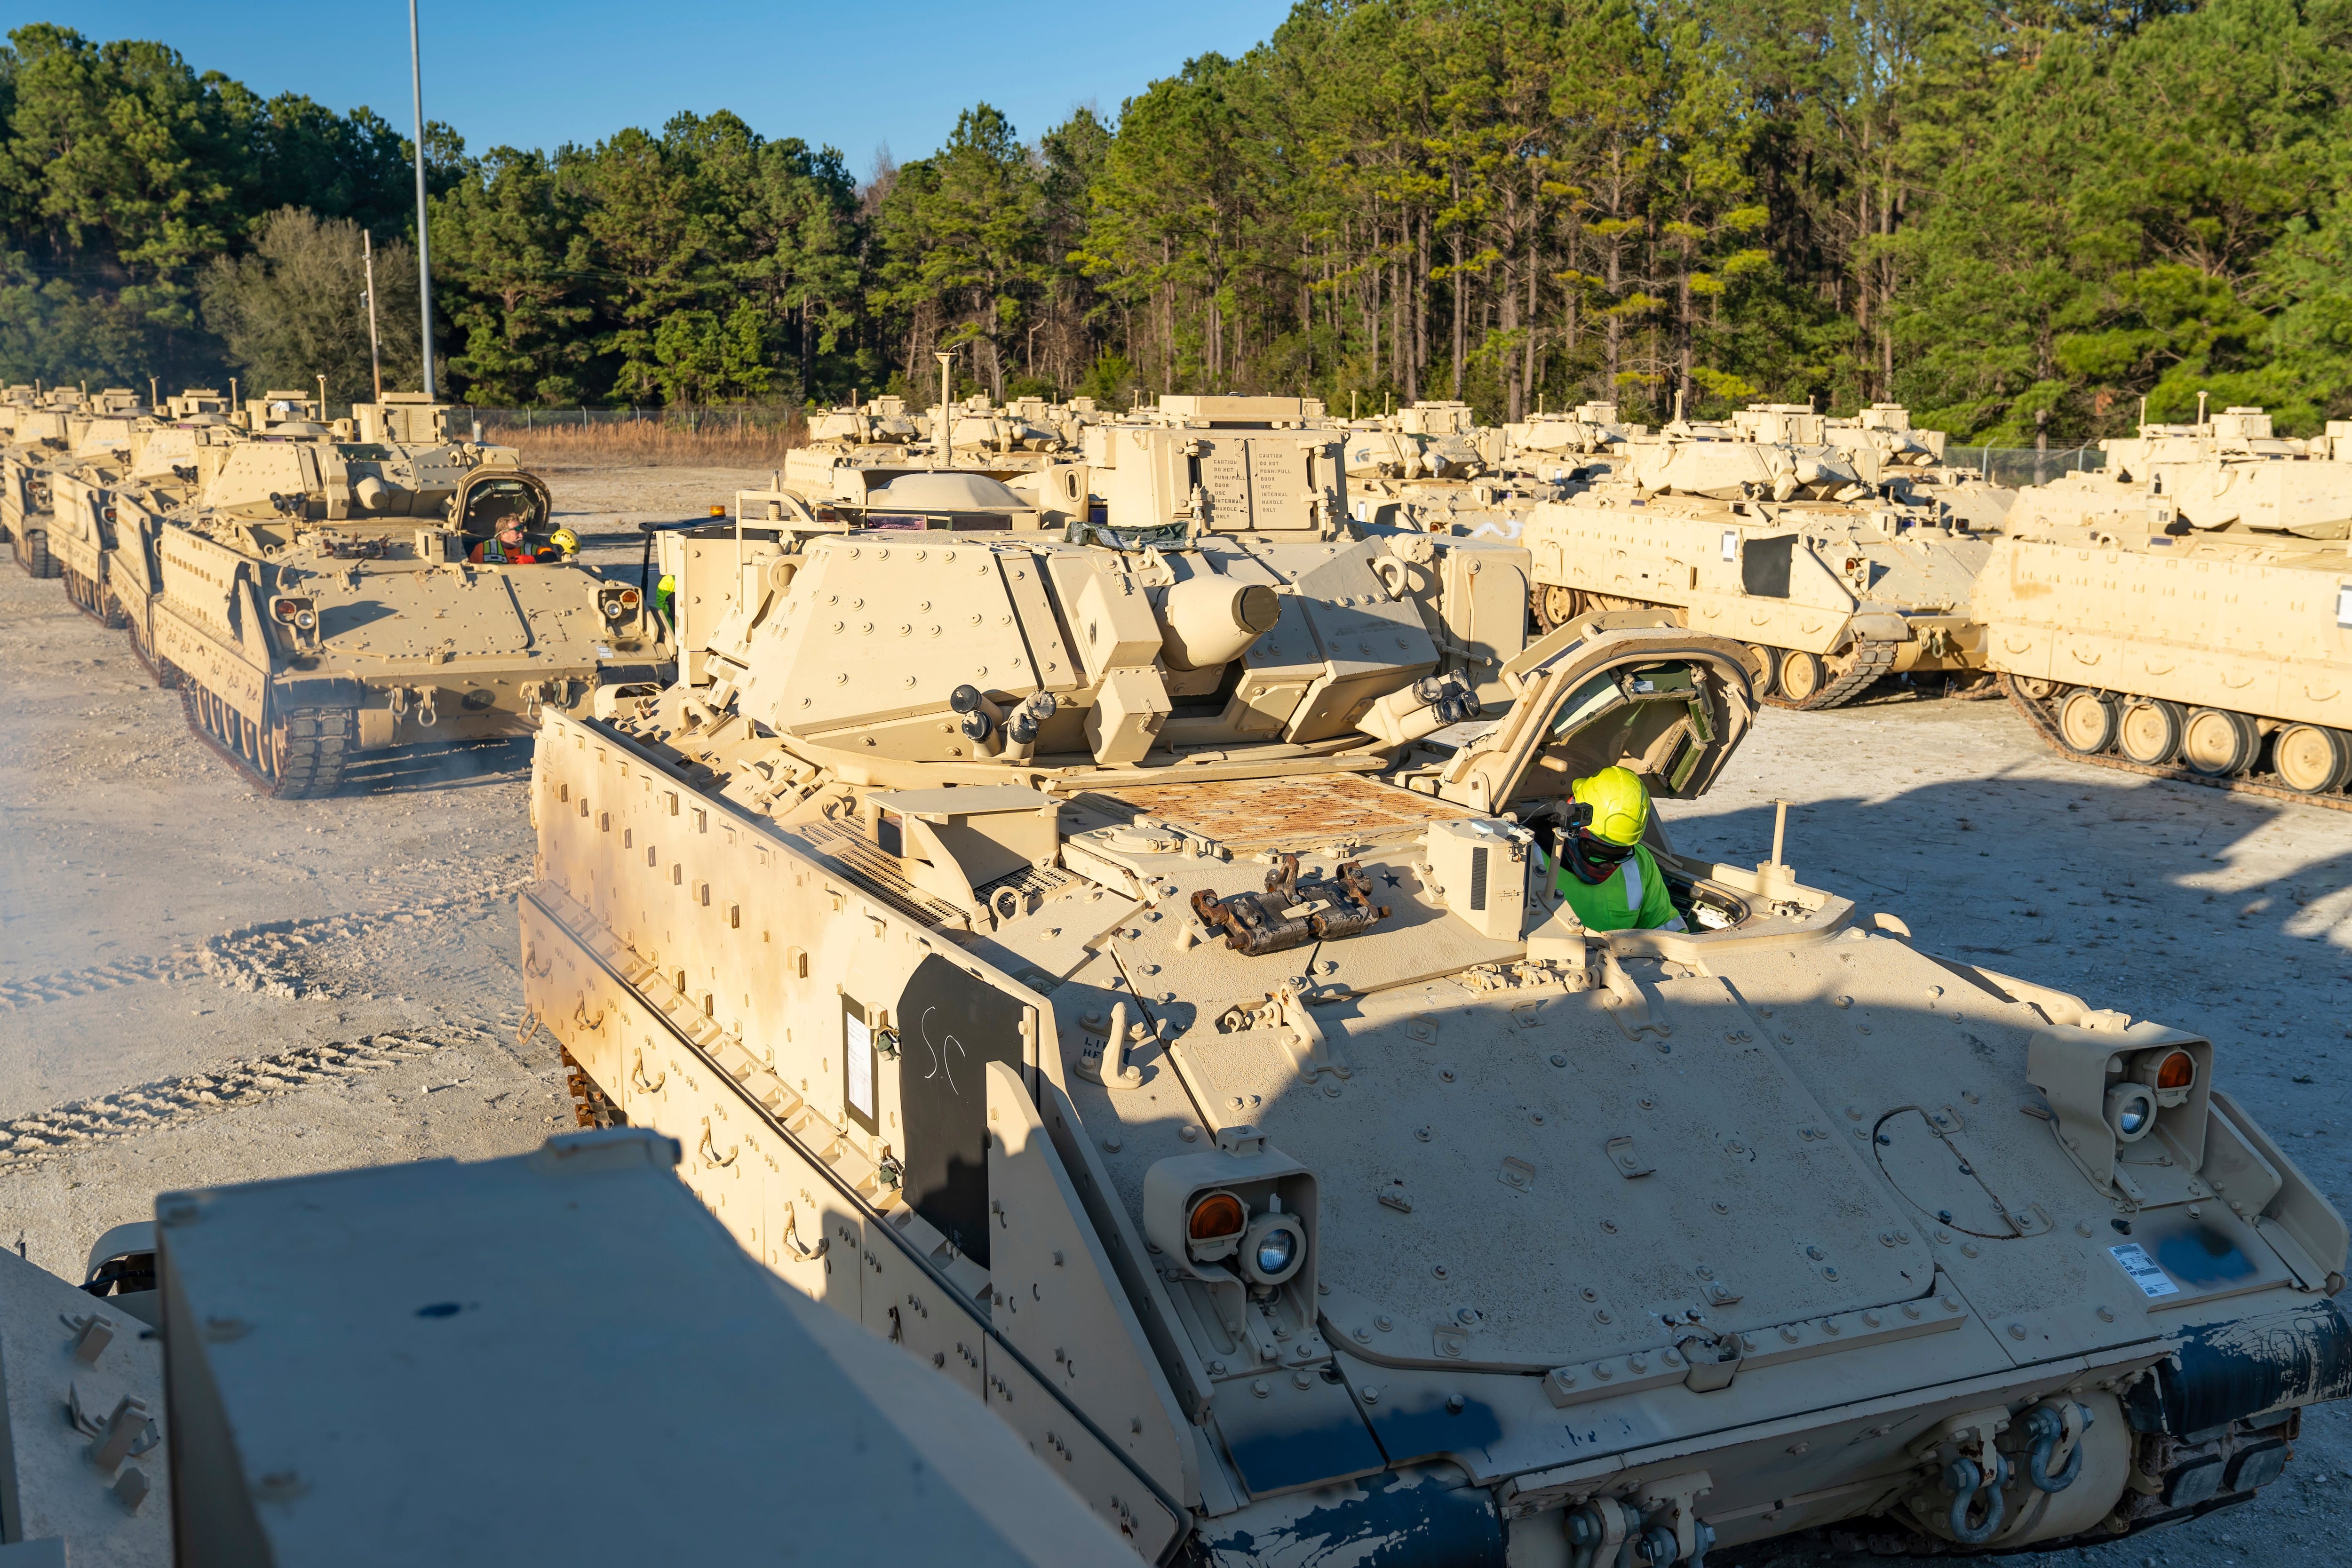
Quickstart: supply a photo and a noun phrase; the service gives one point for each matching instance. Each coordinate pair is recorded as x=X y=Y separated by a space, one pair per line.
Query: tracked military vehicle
x=1124 y=951
x=1915 y=466
x=324 y=599
x=170 y=1409
x=41 y=433
x=1831 y=580
x=2184 y=611
x=1428 y=467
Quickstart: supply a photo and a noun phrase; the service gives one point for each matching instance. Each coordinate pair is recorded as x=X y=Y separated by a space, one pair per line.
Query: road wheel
x=2218 y=743
x=1764 y=663
x=1802 y=675
x=1555 y=607
x=2310 y=759
x=2086 y=721
x=2149 y=734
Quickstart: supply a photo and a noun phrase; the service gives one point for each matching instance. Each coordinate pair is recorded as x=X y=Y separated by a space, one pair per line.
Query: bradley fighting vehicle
x=1883 y=448
x=325 y=598
x=2185 y=611
x=1115 y=973
x=39 y=434
x=1430 y=466
x=1762 y=531
x=263 y=1373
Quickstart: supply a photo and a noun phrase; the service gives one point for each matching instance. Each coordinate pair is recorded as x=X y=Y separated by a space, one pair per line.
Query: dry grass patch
x=651 y=443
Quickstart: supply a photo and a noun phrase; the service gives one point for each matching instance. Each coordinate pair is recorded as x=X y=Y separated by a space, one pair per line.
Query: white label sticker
x=2152 y=1281
x=1731 y=546
x=860 y=1062
x=2344 y=604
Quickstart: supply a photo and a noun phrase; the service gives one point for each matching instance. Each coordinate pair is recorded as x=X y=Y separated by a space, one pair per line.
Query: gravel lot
x=198 y=986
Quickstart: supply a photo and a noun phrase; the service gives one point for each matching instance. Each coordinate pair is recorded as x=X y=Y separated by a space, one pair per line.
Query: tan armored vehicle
x=1913 y=466
x=323 y=598
x=265 y=1374
x=2184 y=611
x=70 y=432
x=880 y=422
x=40 y=433
x=1094 y=948
x=1785 y=547
x=1448 y=483
x=1584 y=438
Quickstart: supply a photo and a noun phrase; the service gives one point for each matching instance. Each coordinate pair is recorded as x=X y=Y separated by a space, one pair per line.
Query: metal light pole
x=424 y=249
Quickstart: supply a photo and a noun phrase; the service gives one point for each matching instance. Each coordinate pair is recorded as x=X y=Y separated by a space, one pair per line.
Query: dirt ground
x=198 y=986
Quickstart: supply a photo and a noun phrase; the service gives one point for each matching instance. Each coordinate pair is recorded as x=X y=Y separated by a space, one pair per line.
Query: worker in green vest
x=1607 y=876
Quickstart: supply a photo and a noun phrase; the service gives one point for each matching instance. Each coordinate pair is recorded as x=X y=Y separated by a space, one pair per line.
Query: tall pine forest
x=2021 y=220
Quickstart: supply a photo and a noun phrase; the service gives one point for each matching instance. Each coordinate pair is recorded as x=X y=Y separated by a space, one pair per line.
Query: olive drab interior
x=1321 y=1142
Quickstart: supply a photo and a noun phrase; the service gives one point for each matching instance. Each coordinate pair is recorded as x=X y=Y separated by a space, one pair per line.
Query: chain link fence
x=720 y=419
x=2017 y=467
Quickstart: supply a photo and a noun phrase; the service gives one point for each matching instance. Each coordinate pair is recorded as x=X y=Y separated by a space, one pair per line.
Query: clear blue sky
x=858 y=76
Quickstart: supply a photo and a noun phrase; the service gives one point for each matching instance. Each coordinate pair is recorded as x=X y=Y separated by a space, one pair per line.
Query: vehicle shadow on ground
x=446 y=766
x=1945 y=856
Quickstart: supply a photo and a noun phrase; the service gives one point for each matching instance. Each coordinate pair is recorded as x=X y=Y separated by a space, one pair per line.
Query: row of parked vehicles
x=316 y=590
x=1085 y=907
x=1088 y=910
x=2180 y=610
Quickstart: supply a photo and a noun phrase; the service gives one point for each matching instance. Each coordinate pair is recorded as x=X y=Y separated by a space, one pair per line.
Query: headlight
x=305 y=619
x=1275 y=1250
x=2131 y=1111
x=1214 y=1227
x=614 y=609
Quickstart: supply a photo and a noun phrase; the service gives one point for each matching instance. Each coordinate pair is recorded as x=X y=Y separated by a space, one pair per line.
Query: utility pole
x=424 y=249
x=375 y=356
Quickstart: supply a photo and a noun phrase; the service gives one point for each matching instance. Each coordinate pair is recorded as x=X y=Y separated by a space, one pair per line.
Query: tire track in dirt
x=46 y=1135
x=262 y=958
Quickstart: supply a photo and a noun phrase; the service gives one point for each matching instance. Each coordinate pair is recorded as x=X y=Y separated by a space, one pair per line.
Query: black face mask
x=1594 y=858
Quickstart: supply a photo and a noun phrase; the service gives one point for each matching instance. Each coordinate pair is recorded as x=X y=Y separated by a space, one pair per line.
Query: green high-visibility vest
x=1631 y=898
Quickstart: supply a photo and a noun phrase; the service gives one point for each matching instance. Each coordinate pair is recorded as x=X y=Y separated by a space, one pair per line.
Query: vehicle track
x=262 y=958
x=46 y=1135
x=2046 y=726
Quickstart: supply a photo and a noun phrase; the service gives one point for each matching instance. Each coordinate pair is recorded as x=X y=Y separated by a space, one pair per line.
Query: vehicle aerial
x=322 y=597
x=210 y=1396
x=2182 y=612
x=1760 y=531
x=1142 y=949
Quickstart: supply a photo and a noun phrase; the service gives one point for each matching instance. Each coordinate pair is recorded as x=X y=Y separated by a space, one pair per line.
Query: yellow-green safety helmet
x=566 y=540
x=1619 y=803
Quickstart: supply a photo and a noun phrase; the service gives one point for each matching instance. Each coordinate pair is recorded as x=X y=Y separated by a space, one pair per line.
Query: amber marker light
x=1216 y=1217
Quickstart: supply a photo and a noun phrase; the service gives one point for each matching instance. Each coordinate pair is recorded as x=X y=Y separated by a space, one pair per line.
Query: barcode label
x=2152 y=1281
